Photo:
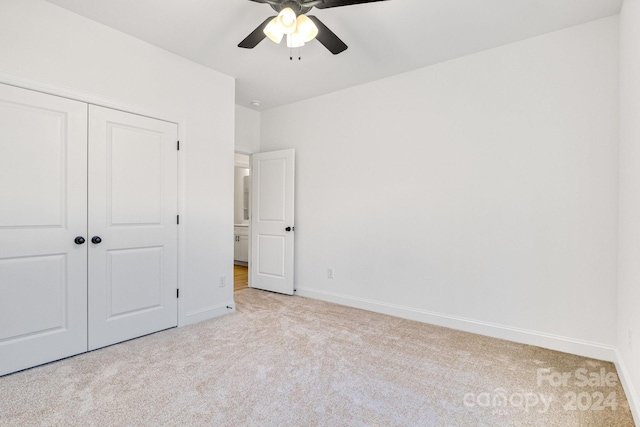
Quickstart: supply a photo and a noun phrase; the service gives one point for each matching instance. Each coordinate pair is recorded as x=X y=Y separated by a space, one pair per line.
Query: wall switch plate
x=222 y=281
x=330 y=273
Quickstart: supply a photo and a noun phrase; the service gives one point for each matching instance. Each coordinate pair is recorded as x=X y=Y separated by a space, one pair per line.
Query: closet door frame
x=77 y=95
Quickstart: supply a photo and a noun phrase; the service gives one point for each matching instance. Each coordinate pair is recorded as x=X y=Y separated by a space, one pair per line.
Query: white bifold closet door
x=133 y=270
x=43 y=208
x=88 y=233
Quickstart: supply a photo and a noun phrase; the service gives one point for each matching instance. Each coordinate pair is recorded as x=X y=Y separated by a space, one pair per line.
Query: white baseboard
x=629 y=389
x=523 y=336
x=208 y=313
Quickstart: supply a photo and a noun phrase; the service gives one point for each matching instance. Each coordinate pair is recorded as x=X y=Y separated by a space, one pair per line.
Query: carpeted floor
x=292 y=361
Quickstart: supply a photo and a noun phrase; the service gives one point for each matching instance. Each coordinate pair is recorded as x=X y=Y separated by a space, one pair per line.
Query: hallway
x=240 y=277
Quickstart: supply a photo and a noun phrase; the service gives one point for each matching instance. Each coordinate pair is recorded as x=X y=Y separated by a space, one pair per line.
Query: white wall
x=247 y=130
x=479 y=193
x=47 y=44
x=629 y=249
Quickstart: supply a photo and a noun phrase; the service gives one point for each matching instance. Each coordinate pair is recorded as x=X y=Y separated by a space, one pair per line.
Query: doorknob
x=79 y=240
x=287 y=229
x=96 y=240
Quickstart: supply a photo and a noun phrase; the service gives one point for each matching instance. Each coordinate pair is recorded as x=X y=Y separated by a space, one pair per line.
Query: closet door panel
x=133 y=210
x=43 y=197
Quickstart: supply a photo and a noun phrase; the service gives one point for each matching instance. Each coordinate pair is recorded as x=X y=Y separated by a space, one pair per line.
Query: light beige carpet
x=291 y=361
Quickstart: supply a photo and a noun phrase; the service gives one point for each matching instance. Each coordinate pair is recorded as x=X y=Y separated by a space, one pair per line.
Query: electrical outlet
x=222 y=281
x=330 y=273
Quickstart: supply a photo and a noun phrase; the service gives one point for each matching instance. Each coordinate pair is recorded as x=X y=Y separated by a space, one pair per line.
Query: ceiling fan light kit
x=306 y=28
x=287 y=20
x=294 y=41
x=273 y=31
x=299 y=27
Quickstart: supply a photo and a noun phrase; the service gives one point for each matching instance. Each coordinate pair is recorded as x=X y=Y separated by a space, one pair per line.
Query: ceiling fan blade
x=328 y=38
x=337 y=3
x=271 y=2
x=256 y=36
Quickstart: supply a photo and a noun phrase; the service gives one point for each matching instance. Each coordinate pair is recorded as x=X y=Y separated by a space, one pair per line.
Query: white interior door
x=133 y=210
x=43 y=193
x=272 y=226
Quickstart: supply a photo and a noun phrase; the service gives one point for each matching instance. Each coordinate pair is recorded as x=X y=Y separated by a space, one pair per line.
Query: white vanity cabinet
x=241 y=243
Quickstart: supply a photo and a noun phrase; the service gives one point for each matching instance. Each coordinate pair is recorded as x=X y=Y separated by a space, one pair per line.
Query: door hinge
x=177 y=293
x=177 y=219
x=178 y=145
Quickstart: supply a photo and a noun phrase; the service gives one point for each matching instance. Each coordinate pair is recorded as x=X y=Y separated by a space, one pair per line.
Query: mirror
x=241 y=196
x=245 y=206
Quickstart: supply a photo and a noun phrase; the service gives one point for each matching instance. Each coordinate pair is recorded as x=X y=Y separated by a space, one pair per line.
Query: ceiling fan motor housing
x=298 y=7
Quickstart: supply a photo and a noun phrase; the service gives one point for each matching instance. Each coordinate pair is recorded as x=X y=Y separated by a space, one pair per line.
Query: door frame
x=291 y=225
x=181 y=122
x=244 y=153
x=250 y=261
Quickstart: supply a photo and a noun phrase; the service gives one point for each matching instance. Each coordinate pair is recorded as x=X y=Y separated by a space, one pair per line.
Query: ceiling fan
x=299 y=28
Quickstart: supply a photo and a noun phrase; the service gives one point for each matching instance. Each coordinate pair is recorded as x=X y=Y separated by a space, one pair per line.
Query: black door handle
x=79 y=240
x=287 y=229
x=96 y=240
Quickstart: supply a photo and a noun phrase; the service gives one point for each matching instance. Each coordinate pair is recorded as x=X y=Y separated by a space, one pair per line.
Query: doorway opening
x=241 y=221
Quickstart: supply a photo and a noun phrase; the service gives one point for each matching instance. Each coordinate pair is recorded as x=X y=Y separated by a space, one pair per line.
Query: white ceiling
x=384 y=38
